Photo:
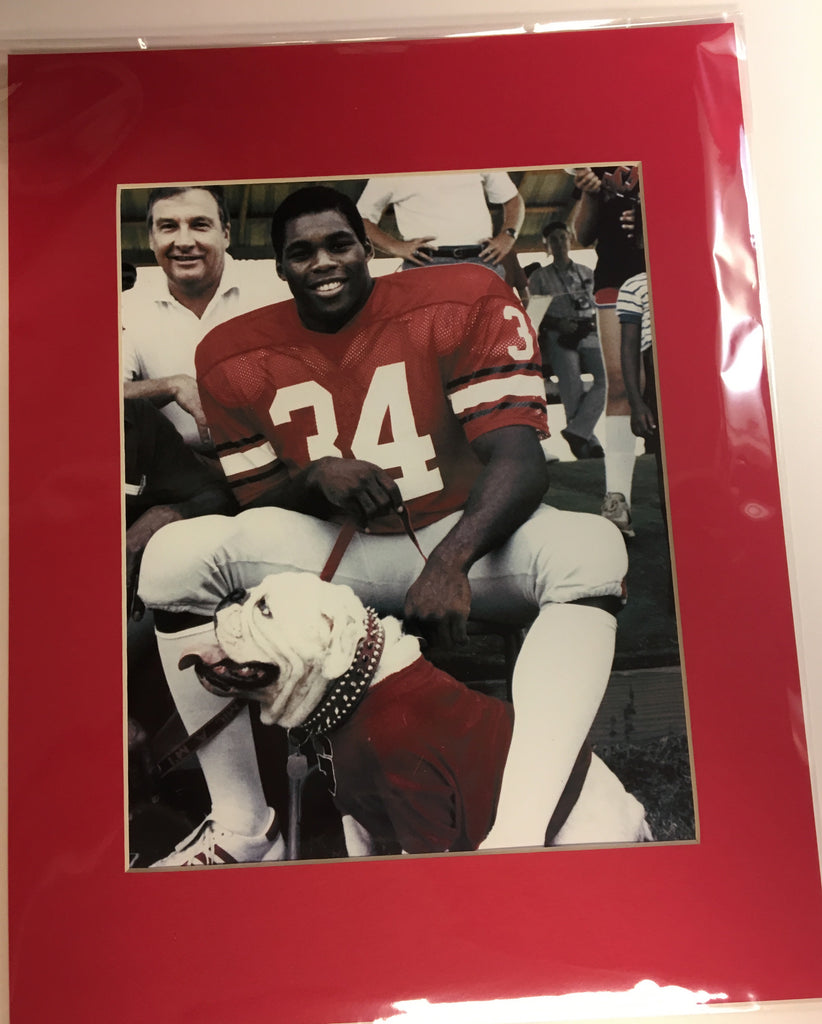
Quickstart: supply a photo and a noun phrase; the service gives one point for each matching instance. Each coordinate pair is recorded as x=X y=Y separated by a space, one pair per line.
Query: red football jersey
x=435 y=358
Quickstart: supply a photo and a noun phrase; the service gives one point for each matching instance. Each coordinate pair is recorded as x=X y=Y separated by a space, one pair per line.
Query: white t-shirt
x=632 y=306
x=450 y=207
x=160 y=335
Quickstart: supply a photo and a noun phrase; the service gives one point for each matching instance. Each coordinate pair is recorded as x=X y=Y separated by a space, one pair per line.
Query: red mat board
x=739 y=913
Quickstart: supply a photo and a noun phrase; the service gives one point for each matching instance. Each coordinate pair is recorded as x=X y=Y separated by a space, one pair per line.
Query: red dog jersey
x=435 y=358
x=420 y=761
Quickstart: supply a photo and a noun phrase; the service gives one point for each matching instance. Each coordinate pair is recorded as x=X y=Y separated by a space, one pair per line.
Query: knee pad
x=174 y=559
x=191 y=565
x=604 y=550
x=586 y=558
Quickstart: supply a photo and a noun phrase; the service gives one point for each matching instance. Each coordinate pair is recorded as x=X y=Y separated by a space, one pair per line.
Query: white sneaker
x=211 y=843
x=617 y=509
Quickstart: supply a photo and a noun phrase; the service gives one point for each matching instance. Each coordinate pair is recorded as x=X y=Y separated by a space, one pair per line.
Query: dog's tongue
x=231 y=675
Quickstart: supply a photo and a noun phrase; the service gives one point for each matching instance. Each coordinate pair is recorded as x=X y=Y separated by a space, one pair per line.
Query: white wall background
x=784 y=70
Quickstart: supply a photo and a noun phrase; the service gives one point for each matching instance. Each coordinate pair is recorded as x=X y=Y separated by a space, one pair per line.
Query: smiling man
x=164 y=319
x=329 y=295
x=418 y=394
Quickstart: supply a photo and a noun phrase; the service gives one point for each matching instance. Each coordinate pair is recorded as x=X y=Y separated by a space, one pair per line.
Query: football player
x=416 y=393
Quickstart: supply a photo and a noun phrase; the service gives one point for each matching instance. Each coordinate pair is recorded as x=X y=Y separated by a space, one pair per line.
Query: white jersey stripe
x=521 y=385
x=253 y=458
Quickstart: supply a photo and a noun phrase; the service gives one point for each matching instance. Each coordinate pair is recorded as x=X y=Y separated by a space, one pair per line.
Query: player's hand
x=412 y=250
x=187 y=396
x=643 y=423
x=496 y=248
x=586 y=181
x=360 y=489
x=438 y=604
x=137 y=536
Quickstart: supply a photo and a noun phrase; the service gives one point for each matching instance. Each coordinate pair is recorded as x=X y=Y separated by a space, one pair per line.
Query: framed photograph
x=645 y=697
x=701 y=718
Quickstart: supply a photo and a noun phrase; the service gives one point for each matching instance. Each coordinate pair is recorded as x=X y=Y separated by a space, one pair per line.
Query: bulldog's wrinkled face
x=281 y=643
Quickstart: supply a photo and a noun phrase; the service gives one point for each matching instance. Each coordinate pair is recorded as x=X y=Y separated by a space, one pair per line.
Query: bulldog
x=416 y=757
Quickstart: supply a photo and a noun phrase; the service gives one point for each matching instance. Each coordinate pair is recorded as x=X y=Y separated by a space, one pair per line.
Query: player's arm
x=326 y=487
x=331 y=485
x=257 y=474
x=510 y=487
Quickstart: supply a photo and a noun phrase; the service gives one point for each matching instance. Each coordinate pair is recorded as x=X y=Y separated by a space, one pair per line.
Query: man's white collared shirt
x=160 y=335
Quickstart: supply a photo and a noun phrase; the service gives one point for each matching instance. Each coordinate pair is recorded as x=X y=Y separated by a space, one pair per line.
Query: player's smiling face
x=326 y=268
x=189 y=241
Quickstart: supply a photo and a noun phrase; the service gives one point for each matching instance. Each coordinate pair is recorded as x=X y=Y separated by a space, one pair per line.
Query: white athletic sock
x=228 y=760
x=620 y=455
x=559 y=681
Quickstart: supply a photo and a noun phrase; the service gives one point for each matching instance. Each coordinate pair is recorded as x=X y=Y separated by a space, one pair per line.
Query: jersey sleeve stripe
x=494 y=371
x=270 y=475
x=240 y=442
x=253 y=458
x=521 y=385
x=501 y=407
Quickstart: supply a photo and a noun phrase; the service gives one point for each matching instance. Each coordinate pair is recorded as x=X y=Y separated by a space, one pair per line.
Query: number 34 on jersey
x=401 y=415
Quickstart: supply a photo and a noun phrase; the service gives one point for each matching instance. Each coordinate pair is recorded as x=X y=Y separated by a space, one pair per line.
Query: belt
x=456 y=252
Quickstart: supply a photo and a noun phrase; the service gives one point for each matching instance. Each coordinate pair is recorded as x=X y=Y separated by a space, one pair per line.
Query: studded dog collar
x=345 y=692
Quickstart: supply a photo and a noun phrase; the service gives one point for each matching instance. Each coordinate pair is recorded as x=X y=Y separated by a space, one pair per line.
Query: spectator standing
x=634 y=312
x=605 y=216
x=569 y=340
x=443 y=218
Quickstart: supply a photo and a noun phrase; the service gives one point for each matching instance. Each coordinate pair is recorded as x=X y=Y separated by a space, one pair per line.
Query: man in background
x=443 y=218
x=569 y=340
x=164 y=320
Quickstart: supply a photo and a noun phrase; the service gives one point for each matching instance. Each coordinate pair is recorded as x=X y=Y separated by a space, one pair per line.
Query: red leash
x=347 y=531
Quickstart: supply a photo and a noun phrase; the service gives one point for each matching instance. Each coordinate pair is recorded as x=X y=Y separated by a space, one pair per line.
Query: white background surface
x=784 y=73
